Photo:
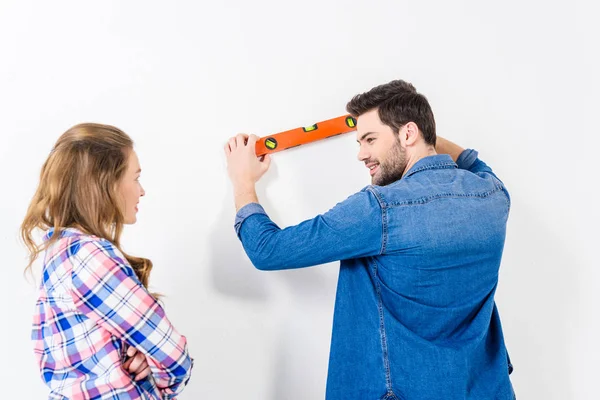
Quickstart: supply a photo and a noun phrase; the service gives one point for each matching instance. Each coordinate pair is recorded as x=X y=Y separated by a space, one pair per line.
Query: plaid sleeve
x=107 y=291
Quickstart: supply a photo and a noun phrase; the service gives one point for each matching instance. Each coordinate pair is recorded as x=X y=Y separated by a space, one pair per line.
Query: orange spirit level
x=296 y=137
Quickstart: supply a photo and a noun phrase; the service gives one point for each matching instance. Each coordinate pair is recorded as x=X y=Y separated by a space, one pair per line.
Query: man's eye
x=370 y=140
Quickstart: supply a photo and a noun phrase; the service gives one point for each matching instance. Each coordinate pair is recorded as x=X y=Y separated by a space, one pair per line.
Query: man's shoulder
x=428 y=185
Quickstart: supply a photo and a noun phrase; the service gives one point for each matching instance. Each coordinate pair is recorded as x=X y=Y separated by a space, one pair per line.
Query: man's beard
x=392 y=168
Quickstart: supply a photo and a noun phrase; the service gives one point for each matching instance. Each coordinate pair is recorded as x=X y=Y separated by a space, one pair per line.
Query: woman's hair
x=79 y=189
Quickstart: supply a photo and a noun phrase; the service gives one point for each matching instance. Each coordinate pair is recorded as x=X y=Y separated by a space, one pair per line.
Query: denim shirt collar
x=438 y=161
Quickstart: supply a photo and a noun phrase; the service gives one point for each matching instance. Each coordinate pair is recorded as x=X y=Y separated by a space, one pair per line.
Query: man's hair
x=398 y=103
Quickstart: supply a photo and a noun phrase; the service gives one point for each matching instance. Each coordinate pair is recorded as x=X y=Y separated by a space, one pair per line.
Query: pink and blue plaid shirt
x=91 y=308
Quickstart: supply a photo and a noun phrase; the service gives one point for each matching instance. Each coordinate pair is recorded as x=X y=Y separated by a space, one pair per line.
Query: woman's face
x=130 y=188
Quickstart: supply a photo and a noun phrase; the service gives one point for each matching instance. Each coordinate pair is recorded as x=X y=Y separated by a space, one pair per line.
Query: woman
x=98 y=332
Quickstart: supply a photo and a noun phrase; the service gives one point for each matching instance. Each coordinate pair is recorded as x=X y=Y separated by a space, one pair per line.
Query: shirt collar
x=65 y=232
x=438 y=161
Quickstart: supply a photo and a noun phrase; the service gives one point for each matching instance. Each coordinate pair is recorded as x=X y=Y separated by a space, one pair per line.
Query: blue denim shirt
x=415 y=317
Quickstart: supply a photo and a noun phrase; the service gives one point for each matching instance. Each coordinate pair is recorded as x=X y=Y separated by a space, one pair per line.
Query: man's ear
x=411 y=134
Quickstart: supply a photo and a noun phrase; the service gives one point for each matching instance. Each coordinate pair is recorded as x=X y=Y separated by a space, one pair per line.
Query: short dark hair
x=398 y=103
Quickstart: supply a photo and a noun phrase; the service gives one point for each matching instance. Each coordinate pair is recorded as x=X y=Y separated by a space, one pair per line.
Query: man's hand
x=136 y=364
x=244 y=168
x=444 y=146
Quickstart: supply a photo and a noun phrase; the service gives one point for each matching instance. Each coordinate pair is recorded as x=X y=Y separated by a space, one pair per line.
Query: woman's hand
x=136 y=364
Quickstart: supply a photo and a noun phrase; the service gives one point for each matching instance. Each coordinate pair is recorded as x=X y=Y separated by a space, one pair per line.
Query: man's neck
x=417 y=155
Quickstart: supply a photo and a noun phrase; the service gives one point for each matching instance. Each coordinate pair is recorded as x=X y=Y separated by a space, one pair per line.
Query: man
x=420 y=249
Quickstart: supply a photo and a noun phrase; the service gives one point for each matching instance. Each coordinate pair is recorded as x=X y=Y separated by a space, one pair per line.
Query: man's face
x=380 y=149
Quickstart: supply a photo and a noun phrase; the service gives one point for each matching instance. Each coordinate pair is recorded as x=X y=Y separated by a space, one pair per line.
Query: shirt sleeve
x=469 y=160
x=106 y=290
x=351 y=229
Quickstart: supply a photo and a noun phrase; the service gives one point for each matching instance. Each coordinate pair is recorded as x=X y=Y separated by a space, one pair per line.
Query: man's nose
x=362 y=154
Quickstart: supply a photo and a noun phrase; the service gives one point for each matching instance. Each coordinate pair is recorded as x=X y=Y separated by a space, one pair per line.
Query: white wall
x=515 y=80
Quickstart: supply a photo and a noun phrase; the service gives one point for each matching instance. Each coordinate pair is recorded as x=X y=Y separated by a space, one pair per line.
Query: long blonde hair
x=79 y=189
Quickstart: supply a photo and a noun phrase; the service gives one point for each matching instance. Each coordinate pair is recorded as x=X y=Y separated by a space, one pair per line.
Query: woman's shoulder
x=80 y=243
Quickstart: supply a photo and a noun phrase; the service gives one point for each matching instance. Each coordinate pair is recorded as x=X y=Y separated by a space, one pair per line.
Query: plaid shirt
x=91 y=308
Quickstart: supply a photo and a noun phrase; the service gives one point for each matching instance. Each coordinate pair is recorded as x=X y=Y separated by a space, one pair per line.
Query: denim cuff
x=467 y=158
x=245 y=212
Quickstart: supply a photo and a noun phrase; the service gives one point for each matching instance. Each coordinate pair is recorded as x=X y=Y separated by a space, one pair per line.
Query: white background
x=516 y=80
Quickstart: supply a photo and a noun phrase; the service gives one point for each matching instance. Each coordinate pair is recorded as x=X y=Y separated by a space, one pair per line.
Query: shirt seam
x=384 y=224
x=425 y=200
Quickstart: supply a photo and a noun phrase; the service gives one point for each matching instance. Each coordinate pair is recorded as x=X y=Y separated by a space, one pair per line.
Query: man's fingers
x=252 y=139
x=266 y=161
x=241 y=139
x=232 y=144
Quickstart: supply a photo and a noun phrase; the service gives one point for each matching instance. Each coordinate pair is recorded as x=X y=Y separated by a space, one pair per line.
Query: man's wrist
x=244 y=194
x=243 y=187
